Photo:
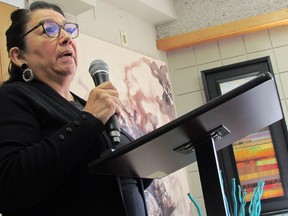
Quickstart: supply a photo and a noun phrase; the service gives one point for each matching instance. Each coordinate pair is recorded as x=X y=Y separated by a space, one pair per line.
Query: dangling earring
x=27 y=74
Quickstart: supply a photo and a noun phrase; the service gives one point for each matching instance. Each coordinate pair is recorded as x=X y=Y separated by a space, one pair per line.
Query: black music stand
x=197 y=135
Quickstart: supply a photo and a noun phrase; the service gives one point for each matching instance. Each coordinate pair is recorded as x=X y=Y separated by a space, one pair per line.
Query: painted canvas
x=147 y=104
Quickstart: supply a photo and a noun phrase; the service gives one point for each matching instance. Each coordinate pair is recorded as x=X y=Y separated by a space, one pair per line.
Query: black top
x=45 y=146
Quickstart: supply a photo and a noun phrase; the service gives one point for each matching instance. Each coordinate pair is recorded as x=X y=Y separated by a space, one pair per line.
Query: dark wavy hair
x=19 y=19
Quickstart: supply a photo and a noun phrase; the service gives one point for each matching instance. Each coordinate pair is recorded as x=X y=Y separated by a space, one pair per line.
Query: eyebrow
x=52 y=20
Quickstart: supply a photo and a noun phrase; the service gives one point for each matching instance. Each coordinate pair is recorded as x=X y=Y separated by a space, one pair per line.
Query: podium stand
x=211 y=181
x=197 y=135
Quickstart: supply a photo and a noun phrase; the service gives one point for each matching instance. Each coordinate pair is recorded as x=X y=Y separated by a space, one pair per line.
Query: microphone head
x=97 y=66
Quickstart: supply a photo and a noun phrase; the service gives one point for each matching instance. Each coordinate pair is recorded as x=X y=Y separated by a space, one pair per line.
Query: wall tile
x=284 y=104
x=208 y=66
x=192 y=167
x=201 y=203
x=279 y=36
x=194 y=180
x=185 y=80
x=284 y=81
x=232 y=47
x=265 y=53
x=234 y=60
x=279 y=86
x=281 y=55
x=207 y=52
x=181 y=58
x=257 y=41
x=187 y=102
x=203 y=96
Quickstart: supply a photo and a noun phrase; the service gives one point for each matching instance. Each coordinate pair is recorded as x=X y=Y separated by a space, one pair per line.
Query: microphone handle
x=113 y=129
x=112 y=125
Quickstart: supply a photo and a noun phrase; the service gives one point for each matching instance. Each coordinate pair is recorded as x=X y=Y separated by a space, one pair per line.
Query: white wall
x=105 y=22
x=186 y=66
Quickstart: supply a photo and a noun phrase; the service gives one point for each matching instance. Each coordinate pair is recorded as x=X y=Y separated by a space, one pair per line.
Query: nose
x=65 y=37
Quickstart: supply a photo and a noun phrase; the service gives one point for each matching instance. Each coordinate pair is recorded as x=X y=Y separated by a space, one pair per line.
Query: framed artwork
x=262 y=155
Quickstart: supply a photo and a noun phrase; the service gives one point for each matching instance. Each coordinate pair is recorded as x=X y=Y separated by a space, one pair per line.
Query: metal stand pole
x=212 y=187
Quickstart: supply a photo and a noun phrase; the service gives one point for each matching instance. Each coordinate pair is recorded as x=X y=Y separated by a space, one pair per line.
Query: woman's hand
x=103 y=102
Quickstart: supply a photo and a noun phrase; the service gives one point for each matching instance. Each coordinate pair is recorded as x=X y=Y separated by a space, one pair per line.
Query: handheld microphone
x=99 y=71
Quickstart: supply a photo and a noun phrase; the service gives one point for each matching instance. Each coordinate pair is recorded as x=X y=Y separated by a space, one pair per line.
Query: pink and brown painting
x=147 y=103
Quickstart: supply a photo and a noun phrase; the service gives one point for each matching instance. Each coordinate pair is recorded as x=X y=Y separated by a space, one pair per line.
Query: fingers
x=107 y=85
x=103 y=102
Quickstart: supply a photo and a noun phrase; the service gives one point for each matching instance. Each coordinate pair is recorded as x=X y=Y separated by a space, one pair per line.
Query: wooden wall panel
x=5 y=11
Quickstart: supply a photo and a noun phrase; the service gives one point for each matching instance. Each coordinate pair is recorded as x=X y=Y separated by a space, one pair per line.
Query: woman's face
x=51 y=59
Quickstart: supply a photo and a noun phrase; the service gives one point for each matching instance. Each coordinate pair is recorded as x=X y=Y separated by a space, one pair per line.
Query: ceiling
x=73 y=7
x=155 y=12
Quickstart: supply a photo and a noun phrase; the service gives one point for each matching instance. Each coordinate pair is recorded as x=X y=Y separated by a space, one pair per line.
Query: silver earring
x=27 y=75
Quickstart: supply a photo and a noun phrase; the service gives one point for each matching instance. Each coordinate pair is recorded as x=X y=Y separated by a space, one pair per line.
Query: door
x=5 y=11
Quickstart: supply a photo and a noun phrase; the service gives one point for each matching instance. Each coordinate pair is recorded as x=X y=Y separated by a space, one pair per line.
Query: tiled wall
x=186 y=66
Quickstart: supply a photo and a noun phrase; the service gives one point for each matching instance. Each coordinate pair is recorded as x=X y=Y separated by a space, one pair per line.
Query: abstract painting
x=147 y=103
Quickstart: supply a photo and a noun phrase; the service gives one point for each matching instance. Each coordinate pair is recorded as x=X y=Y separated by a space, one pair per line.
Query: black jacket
x=45 y=146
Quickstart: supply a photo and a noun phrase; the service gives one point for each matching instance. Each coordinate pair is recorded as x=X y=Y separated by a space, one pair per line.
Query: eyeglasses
x=53 y=29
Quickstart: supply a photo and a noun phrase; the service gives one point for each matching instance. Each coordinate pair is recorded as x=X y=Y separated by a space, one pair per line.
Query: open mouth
x=66 y=54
